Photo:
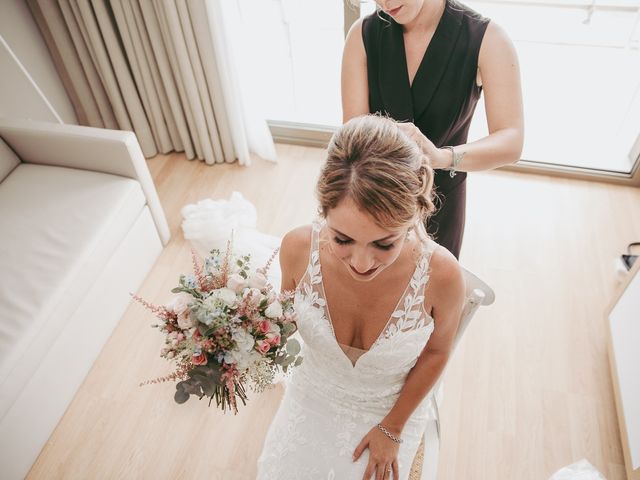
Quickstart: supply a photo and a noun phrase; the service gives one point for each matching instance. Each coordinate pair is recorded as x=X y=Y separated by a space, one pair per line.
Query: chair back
x=425 y=463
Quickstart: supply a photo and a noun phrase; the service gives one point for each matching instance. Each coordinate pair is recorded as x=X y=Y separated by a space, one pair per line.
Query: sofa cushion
x=59 y=227
x=8 y=160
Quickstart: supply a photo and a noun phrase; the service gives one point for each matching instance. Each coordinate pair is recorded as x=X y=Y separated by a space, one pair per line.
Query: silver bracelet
x=457 y=158
x=389 y=434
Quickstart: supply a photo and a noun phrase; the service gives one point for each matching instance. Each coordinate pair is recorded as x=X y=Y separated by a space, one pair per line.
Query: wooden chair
x=425 y=463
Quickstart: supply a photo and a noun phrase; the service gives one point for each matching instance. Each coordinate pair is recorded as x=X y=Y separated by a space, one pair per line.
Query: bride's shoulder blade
x=294 y=256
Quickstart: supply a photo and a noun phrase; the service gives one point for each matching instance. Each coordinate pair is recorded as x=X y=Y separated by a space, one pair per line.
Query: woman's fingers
x=360 y=448
x=396 y=470
x=369 y=472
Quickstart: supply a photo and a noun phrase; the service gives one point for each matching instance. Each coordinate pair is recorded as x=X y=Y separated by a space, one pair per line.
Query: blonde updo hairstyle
x=375 y=164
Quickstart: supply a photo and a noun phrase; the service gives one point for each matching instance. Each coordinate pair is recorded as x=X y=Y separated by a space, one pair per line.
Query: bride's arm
x=445 y=292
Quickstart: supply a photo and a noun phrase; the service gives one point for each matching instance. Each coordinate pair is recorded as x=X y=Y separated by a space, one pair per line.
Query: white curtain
x=166 y=69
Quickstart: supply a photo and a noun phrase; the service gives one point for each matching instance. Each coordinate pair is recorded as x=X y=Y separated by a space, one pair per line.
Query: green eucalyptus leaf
x=209 y=387
x=288 y=329
x=293 y=346
x=298 y=361
x=181 y=396
x=288 y=361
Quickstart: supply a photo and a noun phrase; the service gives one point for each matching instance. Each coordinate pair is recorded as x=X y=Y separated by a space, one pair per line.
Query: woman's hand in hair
x=438 y=158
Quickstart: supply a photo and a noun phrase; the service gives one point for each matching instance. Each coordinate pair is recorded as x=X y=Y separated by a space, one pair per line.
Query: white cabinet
x=623 y=320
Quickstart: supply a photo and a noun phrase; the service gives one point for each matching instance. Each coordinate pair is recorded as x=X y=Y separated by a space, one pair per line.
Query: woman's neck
x=427 y=18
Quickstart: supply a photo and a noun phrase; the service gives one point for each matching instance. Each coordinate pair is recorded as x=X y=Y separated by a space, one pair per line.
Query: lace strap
x=312 y=274
x=409 y=313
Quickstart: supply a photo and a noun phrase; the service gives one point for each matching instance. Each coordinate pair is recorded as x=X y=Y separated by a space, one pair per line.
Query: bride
x=378 y=305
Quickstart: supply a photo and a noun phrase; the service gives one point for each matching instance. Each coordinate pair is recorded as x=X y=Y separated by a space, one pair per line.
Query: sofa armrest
x=86 y=148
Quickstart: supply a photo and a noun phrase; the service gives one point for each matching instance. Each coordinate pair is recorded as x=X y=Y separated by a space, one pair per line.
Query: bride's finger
x=396 y=470
x=360 y=448
x=369 y=471
x=381 y=472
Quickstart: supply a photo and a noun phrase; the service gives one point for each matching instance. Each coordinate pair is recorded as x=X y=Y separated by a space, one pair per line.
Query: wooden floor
x=527 y=392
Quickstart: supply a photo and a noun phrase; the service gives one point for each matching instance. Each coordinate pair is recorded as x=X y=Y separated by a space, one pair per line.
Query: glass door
x=580 y=65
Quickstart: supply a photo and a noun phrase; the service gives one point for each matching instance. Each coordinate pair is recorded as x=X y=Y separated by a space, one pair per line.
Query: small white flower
x=274 y=310
x=242 y=359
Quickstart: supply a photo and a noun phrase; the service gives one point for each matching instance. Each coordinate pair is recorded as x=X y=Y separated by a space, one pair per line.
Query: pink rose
x=199 y=359
x=264 y=326
x=273 y=339
x=263 y=346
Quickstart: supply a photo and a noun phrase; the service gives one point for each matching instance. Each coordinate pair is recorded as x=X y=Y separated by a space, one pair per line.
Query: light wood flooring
x=527 y=392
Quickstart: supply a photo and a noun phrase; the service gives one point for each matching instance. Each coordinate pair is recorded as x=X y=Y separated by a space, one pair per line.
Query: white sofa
x=80 y=227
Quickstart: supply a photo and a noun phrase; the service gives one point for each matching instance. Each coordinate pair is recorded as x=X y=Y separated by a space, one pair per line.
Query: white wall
x=29 y=84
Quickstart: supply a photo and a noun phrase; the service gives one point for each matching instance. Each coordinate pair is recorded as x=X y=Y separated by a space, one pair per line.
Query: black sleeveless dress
x=440 y=102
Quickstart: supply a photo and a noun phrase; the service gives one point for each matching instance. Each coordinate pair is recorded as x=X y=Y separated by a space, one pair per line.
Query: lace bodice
x=335 y=396
x=392 y=354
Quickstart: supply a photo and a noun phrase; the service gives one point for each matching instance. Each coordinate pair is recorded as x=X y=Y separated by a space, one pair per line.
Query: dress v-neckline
x=329 y=320
x=408 y=101
x=425 y=56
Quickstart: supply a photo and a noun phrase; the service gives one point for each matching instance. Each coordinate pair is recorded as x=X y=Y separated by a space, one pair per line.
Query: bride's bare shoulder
x=294 y=255
x=446 y=282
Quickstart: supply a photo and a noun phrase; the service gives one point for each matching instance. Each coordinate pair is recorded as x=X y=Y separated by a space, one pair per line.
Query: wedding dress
x=210 y=224
x=338 y=393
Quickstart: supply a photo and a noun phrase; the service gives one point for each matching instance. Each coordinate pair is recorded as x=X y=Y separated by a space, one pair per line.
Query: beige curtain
x=149 y=66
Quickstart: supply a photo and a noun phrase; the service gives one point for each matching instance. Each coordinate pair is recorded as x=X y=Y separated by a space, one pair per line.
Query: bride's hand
x=383 y=455
x=438 y=157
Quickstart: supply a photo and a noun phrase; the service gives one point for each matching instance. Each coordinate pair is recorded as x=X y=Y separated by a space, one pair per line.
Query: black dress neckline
x=416 y=96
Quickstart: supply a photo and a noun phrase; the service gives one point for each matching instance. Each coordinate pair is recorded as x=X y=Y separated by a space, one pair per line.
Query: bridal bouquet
x=226 y=327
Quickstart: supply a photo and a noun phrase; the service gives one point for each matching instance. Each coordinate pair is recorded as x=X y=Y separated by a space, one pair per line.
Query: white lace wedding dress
x=338 y=394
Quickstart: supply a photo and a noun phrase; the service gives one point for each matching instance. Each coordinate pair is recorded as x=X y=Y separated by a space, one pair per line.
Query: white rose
x=244 y=341
x=236 y=283
x=257 y=280
x=227 y=295
x=179 y=303
x=274 y=310
x=185 y=321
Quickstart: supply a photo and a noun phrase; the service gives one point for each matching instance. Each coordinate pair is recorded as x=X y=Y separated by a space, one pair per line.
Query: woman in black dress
x=426 y=62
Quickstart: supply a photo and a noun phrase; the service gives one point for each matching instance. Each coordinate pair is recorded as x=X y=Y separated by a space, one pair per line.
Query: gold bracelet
x=389 y=434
